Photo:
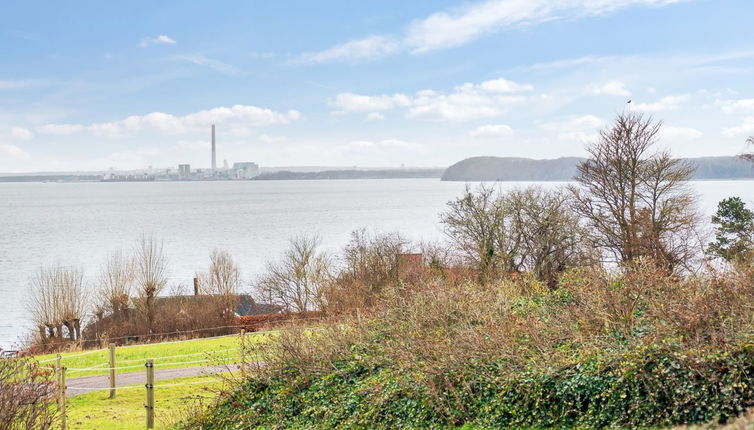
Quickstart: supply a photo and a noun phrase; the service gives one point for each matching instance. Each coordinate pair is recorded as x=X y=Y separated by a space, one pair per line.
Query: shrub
x=26 y=395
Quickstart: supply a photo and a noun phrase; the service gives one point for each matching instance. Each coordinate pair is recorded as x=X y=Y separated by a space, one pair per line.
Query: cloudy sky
x=89 y=85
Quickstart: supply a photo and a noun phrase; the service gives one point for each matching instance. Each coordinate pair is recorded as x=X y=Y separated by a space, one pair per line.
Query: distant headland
x=564 y=169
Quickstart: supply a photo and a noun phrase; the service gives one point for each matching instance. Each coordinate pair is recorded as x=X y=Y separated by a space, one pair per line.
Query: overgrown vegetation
x=581 y=307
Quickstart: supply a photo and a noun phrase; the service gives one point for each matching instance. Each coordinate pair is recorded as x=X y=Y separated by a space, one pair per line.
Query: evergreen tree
x=734 y=230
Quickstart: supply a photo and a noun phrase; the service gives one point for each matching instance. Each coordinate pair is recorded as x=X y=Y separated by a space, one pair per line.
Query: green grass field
x=167 y=355
x=95 y=411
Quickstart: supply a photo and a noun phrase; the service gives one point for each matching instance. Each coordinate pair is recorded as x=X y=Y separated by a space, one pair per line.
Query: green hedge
x=651 y=387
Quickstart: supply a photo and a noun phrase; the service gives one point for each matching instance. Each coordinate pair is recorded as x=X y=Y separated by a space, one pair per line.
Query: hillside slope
x=564 y=169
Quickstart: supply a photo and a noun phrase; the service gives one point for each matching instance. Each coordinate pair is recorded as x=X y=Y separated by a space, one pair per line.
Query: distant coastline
x=474 y=169
x=351 y=174
x=477 y=169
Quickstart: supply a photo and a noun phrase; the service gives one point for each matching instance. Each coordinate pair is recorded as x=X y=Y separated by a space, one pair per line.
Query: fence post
x=112 y=370
x=58 y=366
x=242 y=345
x=63 y=423
x=150 y=393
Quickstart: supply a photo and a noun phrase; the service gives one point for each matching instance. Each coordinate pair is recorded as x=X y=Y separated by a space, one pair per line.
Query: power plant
x=239 y=171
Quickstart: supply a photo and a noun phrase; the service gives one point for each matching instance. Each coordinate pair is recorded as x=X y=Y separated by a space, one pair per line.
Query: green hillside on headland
x=564 y=169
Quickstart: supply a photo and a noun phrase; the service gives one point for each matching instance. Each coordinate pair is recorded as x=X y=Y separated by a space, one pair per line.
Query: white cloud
x=158 y=40
x=502 y=85
x=579 y=136
x=213 y=64
x=468 y=101
x=664 y=104
x=458 y=26
x=492 y=131
x=367 y=48
x=733 y=106
x=60 y=129
x=610 y=88
x=583 y=122
x=271 y=139
x=462 y=25
x=582 y=129
x=375 y=116
x=13 y=152
x=679 y=133
x=746 y=128
x=350 y=102
x=236 y=118
x=21 y=133
x=387 y=144
x=20 y=84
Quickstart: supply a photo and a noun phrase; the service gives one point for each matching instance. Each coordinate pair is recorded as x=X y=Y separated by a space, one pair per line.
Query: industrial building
x=240 y=170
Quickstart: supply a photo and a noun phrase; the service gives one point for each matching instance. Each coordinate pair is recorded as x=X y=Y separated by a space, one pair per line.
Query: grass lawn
x=167 y=355
x=94 y=411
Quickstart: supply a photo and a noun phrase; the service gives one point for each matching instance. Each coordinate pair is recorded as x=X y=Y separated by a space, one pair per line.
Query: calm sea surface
x=79 y=224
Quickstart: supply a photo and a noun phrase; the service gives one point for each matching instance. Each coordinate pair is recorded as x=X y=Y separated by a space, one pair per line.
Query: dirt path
x=87 y=384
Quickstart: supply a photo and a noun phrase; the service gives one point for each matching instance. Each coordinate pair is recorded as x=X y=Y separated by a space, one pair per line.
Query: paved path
x=87 y=384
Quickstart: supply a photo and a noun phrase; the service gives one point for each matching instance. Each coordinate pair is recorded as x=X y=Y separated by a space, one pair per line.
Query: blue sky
x=90 y=85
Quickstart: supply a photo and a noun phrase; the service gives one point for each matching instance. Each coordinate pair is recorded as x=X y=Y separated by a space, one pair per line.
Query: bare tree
x=222 y=282
x=41 y=305
x=476 y=224
x=371 y=264
x=116 y=285
x=552 y=237
x=295 y=281
x=636 y=200
x=58 y=299
x=26 y=395
x=749 y=156
x=529 y=229
x=150 y=275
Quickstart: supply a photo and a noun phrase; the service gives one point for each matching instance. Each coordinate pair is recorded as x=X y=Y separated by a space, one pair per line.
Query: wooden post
x=63 y=423
x=112 y=370
x=358 y=315
x=242 y=346
x=196 y=286
x=58 y=366
x=150 y=393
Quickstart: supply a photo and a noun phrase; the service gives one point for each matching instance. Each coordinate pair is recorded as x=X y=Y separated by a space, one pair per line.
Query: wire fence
x=232 y=358
x=65 y=387
x=179 y=332
x=100 y=350
x=211 y=363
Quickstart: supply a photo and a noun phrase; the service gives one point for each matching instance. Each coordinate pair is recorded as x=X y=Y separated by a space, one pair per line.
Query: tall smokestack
x=214 y=152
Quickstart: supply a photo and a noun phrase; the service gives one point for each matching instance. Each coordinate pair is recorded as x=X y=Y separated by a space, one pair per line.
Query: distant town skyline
x=94 y=85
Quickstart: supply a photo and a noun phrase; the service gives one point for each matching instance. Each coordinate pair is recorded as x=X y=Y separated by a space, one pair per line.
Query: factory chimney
x=214 y=151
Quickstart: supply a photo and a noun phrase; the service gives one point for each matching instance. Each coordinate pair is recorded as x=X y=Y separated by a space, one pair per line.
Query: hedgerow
x=629 y=349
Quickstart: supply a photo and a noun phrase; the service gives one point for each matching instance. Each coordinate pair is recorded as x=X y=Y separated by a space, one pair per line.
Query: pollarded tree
x=116 y=285
x=635 y=198
x=58 y=299
x=734 y=231
x=150 y=276
x=222 y=282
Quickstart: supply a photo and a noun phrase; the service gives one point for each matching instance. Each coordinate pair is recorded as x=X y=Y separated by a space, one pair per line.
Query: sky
x=92 y=85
